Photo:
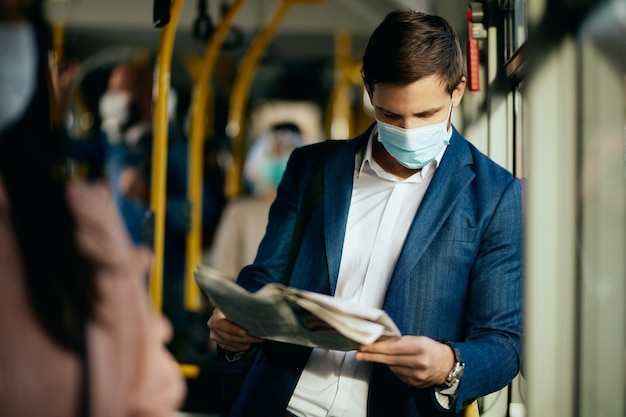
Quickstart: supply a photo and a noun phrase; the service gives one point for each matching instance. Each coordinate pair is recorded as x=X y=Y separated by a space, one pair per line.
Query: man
x=413 y=219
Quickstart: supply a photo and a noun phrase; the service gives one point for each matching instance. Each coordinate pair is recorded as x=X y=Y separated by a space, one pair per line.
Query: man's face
x=18 y=63
x=422 y=103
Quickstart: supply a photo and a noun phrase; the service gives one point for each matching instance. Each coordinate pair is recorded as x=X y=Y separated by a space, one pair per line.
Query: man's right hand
x=228 y=335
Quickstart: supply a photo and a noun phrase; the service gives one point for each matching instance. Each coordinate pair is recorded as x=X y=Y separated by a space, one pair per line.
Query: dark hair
x=410 y=45
x=59 y=279
x=286 y=126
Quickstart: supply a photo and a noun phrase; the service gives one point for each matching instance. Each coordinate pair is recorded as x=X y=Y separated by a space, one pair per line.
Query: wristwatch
x=234 y=356
x=456 y=373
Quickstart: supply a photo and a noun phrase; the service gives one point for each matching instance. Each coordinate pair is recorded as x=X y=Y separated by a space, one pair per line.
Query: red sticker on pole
x=473 y=61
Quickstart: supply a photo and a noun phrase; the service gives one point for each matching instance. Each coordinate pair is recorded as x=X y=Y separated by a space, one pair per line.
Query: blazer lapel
x=338 y=175
x=451 y=177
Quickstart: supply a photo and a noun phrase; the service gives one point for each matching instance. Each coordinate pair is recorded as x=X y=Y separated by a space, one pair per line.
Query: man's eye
x=428 y=115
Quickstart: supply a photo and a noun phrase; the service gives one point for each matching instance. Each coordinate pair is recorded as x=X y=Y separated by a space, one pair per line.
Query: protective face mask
x=18 y=71
x=415 y=148
x=114 y=109
x=273 y=169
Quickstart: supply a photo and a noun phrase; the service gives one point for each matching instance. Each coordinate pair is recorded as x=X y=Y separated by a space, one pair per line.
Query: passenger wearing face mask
x=123 y=146
x=412 y=219
x=125 y=141
x=126 y=106
x=126 y=112
x=77 y=334
x=243 y=220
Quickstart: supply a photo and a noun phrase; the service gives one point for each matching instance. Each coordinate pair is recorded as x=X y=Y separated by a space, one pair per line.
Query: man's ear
x=458 y=92
x=370 y=91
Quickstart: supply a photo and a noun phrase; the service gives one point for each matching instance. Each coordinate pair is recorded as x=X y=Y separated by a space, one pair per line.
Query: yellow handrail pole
x=471 y=410
x=193 y=371
x=201 y=94
x=58 y=39
x=159 y=153
x=239 y=94
x=340 y=117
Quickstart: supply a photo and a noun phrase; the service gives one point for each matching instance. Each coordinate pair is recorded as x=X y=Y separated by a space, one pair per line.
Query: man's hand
x=417 y=360
x=228 y=335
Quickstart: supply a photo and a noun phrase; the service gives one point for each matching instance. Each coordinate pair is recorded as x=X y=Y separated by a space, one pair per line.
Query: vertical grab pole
x=239 y=94
x=201 y=94
x=340 y=116
x=159 y=153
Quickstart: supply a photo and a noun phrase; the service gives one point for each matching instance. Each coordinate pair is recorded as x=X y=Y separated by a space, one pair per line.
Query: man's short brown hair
x=410 y=45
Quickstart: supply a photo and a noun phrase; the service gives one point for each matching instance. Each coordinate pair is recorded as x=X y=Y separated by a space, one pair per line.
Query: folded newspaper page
x=290 y=315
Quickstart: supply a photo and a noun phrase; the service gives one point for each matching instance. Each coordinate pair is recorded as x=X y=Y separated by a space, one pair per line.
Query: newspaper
x=290 y=315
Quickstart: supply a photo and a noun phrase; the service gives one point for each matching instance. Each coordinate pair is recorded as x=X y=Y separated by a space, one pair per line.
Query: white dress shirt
x=382 y=208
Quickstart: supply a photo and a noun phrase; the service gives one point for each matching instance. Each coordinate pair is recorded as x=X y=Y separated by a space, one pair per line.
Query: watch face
x=456 y=373
x=234 y=356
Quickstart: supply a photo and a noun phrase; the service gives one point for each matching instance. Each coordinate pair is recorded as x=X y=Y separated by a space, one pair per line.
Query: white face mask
x=18 y=71
x=415 y=148
x=114 y=109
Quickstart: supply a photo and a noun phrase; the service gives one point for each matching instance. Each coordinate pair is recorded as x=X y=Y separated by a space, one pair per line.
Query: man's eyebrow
x=428 y=112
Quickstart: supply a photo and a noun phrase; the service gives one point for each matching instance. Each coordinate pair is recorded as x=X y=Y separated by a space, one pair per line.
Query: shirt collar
x=365 y=158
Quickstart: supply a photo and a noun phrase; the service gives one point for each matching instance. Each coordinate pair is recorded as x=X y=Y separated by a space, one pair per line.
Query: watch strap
x=454 y=377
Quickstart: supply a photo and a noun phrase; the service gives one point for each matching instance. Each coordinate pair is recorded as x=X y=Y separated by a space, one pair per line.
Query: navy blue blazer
x=458 y=276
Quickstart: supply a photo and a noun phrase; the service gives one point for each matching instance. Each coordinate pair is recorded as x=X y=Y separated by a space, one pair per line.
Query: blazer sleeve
x=491 y=351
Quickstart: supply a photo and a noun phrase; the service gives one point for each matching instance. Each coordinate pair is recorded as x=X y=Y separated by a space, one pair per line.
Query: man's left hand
x=417 y=360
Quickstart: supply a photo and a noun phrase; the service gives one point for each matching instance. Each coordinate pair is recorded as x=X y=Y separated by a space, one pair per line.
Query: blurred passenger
x=77 y=336
x=123 y=146
x=243 y=221
x=125 y=140
x=126 y=111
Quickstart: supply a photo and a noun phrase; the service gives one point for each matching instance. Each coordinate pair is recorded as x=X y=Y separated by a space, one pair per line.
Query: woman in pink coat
x=77 y=335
